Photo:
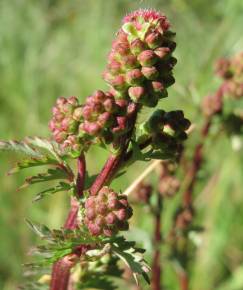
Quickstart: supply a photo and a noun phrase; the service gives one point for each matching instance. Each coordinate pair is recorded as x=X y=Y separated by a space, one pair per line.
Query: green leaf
x=58 y=243
x=97 y=281
x=20 y=147
x=98 y=274
x=51 y=174
x=47 y=146
x=130 y=29
x=41 y=230
x=144 y=30
x=61 y=186
x=132 y=257
x=33 y=162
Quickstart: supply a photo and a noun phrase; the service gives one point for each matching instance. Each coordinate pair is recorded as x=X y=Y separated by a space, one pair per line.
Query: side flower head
x=65 y=123
x=167 y=130
x=231 y=70
x=107 y=213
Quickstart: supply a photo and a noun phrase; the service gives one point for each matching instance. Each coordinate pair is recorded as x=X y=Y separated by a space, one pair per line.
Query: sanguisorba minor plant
x=86 y=251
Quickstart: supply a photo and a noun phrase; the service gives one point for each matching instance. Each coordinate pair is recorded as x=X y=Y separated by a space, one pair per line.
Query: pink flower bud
x=122 y=48
x=159 y=89
x=147 y=58
x=129 y=61
x=61 y=101
x=121 y=214
x=101 y=208
x=99 y=221
x=124 y=201
x=77 y=114
x=134 y=77
x=137 y=93
x=111 y=218
x=151 y=73
x=94 y=229
x=161 y=52
x=137 y=46
x=114 y=67
x=109 y=232
x=73 y=101
x=90 y=213
x=112 y=204
x=90 y=202
x=154 y=39
x=119 y=82
x=109 y=105
x=98 y=96
x=60 y=136
x=52 y=125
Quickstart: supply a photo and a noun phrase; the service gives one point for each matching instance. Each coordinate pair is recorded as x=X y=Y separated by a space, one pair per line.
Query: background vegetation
x=50 y=48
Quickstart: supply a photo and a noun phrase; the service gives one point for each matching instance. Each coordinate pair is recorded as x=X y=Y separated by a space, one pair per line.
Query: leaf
x=41 y=230
x=61 y=186
x=97 y=281
x=44 y=144
x=132 y=257
x=51 y=174
x=130 y=29
x=20 y=147
x=99 y=277
x=33 y=162
x=58 y=243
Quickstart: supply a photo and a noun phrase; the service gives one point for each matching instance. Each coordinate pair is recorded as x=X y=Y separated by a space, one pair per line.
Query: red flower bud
x=161 y=52
x=111 y=213
x=137 y=93
x=147 y=58
x=129 y=61
x=137 y=46
x=154 y=39
x=151 y=73
x=134 y=77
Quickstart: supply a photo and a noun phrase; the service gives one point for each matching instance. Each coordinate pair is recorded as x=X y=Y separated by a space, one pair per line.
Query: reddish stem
x=192 y=179
x=184 y=281
x=109 y=169
x=196 y=165
x=61 y=269
x=156 y=265
x=114 y=161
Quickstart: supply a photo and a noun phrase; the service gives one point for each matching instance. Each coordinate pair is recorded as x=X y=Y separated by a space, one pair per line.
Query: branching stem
x=61 y=269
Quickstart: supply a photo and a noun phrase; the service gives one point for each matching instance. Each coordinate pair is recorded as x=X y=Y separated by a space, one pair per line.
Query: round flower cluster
x=231 y=70
x=212 y=104
x=140 y=63
x=168 y=186
x=101 y=118
x=106 y=213
x=168 y=130
x=184 y=218
x=143 y=193
x=65 y=123
x=104 y=117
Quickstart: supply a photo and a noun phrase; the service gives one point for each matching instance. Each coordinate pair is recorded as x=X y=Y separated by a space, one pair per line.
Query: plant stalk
x=61 y=269
x=114 y=162
x=156 y=265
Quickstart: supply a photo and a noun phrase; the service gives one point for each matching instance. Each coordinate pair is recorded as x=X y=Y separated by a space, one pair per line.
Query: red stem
x=192 y=178
x=61 y=269
x=156 y=265
x=107 y=172
x=114 y=161
x=184 y=281
x=196 y=165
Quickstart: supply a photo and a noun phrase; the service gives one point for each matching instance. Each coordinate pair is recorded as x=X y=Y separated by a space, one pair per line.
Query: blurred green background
x=52 y=48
